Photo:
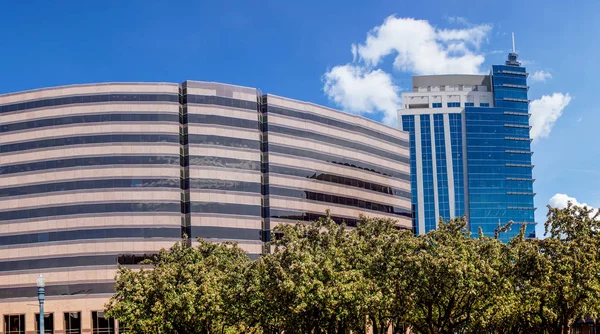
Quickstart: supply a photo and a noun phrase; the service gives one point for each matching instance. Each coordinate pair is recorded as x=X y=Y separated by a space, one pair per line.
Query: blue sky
x=287 y=48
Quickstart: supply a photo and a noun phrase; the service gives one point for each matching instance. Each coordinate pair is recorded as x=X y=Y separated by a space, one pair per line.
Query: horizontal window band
x=131 y=138
x=515 y=73
x=519 y=165
x=210 y=161
x=216 y=232
x=77 y=261
x=78 y=209
x=512 y=99
x=90 y=98
x=88 y=185
x=221 y=120
x=219 y=101
x=517 y=126
x=311 y=216
x=518 y=139
x=519 y=179
x=222 y=141
x=517 y=113
x=338 y=160
x=173 y=160
x=336 y=199
x=297 y=133
x=90 y=234
x=521 y=208
x=518 y=152
x=308 y=216
x=336 y=123
x=515 y=86
x=117 y=116
x=520 y=193
x=90 y=139
x=224 y=208
x=60 y=262
x=336 y=179
x=59 y=290
x=219 y=184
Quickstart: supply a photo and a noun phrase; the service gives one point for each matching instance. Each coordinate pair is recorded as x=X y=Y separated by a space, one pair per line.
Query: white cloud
x=540 y=76
x=363 y=91
x=362 y=88
x=544 y=113
x=560 y=201
x=421 y=48
x=459 y=20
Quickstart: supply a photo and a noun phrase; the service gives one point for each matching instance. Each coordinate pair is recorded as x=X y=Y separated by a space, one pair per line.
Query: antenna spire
x=513 y=42
x=512 y=57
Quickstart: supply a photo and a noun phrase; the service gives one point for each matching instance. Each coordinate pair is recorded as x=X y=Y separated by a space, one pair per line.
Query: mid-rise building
x=470 y=149
x=96 y=175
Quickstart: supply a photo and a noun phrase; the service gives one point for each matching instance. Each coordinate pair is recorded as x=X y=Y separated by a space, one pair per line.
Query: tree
x=307 y=284
x=187 y=290
x=383 y=254
x=557 y=278
x=456 y=280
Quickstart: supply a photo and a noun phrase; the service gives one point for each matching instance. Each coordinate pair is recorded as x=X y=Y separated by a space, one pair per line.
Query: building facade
x=470 y=149
x=92 y=176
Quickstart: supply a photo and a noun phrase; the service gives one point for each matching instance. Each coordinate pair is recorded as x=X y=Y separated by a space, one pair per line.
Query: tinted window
x=223 y=141
x=196 y=160
x=90 y=234
x=102 y=118
x=332 y=178
x=223 y=120
x=94 y=139
x=88 y=209
x=335 y=123
x=220 y=101
x=58 y=101
x=338 y=142
x=90 y=161
x=296 y=152
x=341 y=200
x=226 y=208
x=225 y=233
x=89 y=184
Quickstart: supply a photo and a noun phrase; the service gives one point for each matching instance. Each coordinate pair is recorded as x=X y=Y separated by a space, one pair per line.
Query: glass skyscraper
x=470 y=149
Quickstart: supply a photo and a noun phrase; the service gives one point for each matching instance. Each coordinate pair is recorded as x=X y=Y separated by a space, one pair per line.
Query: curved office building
x=96 y=175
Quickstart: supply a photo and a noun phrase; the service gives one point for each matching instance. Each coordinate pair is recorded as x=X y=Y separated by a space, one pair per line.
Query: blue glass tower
x=471 y=149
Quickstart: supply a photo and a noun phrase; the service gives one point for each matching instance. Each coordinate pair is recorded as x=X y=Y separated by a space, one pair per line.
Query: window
x=72 y=322
x=436 y=105
x=453 y=104
x=48 y=323
x=484 y=104
x=14 y=324
x=102 y=325
x=123 y=328
x=469 y=104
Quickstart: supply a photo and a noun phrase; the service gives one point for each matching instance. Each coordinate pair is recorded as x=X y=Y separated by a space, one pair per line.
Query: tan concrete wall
x=89 y=109
x=90 y=150
x=88 y=89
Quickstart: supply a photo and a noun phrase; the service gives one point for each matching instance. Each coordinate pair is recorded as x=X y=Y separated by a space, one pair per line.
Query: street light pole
x=40 y=284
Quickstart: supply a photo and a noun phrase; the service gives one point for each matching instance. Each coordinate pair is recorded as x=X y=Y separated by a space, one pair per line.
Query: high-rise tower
x=470 y=149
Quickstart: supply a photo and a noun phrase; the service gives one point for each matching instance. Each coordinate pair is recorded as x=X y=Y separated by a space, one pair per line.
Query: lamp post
x=40 y=284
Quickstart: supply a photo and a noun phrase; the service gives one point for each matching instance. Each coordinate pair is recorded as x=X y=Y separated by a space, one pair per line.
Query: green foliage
x=323 y=277
x=309 y=282
x=556 y=280
x=458 y=281
x=188 y=290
